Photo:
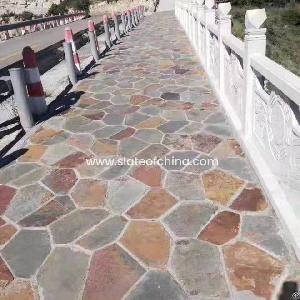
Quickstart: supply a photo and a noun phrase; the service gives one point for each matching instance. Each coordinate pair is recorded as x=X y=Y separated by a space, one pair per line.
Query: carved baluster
x=209 y=17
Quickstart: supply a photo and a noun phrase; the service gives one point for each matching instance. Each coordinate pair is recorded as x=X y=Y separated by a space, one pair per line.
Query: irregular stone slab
x=73 y=160
x=115 y=172
x=196 y=115
x=126 y=133
x=60 y=181
x=217 y=117
x=178 y=160
x=57 y=152
x=148 y=241
x=63 y=274
x=159 y=286
x=7 y=231
x=50 y=212
x=26 y=252
x=149 y=135
x=113 y=119
x=250 y=200
x=198 y=267
x=76 y=124
x=237 y=166
x=103 y=234
x=44 y=135
x=18 y=290
x=6 y=195
x=123 y=272
x=90 y=193
x=34 y=153
x=151 y=110
x=170 y=96
x=251 y=269
x=131 y=146
x=81 y=141
x=178 y=141
x=221 y=130
x=223 y=228
x=185 y=186
x=172 y=126
x=138 y=99
x=151 y=123
x=203 y=163
x=152 y=151
x=124 y=192
x=221 y=187
x=94 y=114
x=105 y=147
x=188 y=219
x=26 y=201
x=265 y=232
x=153 y=205
x=205 y=143
x=174 y=115
x=135 y=118
x=31 y=177
x=228 y=148
x=5 y=275
x=150 y=175
x=76 y=224
x=108 y=131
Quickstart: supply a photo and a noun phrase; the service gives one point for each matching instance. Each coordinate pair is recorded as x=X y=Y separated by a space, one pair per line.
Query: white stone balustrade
x=260 y=97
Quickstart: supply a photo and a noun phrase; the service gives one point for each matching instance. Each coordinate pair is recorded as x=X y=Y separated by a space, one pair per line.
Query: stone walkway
x=72 y=231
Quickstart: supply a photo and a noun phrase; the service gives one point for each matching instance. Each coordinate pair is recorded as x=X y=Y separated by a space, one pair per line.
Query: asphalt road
x=11 y=50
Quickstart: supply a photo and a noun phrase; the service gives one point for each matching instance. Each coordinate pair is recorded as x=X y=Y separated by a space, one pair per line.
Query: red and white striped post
x=91 y=28
x=37 y=98
x=69 y=38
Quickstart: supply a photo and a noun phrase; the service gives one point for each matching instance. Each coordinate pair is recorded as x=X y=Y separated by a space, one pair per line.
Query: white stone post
x=209 y=18
x=255 y=44
x=199 y=29
x=224 y=28
x=195 y=24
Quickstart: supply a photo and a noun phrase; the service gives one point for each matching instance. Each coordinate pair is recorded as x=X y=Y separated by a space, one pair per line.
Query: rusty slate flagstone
x=6 y=233
x=27 y=200
x=205 y=143
x=5 y=275
x=198 y=267
x=63 y=274
x=103 y=234
x=149 y=135
x=131 y=146
x=112 y=272
x=18 y=290
x=148 y=241
x=75 y=224
x=6 y=195
x=16 y=171
x=149 y=175
x=189 y=218
x=172 y=126
x=157 y=285
x=26 y=251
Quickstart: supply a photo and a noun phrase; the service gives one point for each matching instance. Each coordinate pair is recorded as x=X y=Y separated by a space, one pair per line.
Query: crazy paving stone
x=151 y=110
x=75 y=224
x=198 y=267
x=113 y=119
x=90 y=193
x=120 y=99
x=157 y=285
x=18 y=290
x=152 y=90
x=191 y=129
x=153 y=151
x=26 y=252
x=196 y=115
x=188 y=219
x=170 y=96
x=153 y=205
x=252 y=270
x=72 y=160
x=55 y=153
x=5 y=275
x=217 y=117
x=114 y=172
x=60 y=181
x=81 y=141
x=105 y=147
x=221 y=130
x=148 y=241
x=205 y=143
x=112 y=273
x=250 y=199
x=178 y=160
x=108 y=131
x=131 y=146
x=16 y=171
x=126 y=133
x=6 y=233
x=152 y=122
x=6 y=195
x=221 y=187
x=44 y=135
x=265 y=232
x=26 y=201
x=135 y=118
x=228 y=148
x=86 y=102
x=178 y=141
x=150 y=175
x=124 y=192
x=103 y=234
x=223 y=228
x=173 y=115
x=50 y=212
x=172 y=126
x=94 y=114
x=33 y=154
x=63 y=274
x=185 y=186
x=149 y=135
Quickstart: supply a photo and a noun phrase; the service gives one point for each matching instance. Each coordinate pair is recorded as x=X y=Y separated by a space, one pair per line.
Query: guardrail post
x=129 y=24
x=70 y=38
x=17 y=77
x=71 y=68
x=224 y=28
x=93 y=40
x=116 y=23
x=106 y=31
x=37 y=98
x=209 y=16
x=255 y=43
x=123 y=22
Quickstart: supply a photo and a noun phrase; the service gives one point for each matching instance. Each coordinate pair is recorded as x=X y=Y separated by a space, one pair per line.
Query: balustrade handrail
x=283 y=79
x=37 y=21
x=234 y=43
